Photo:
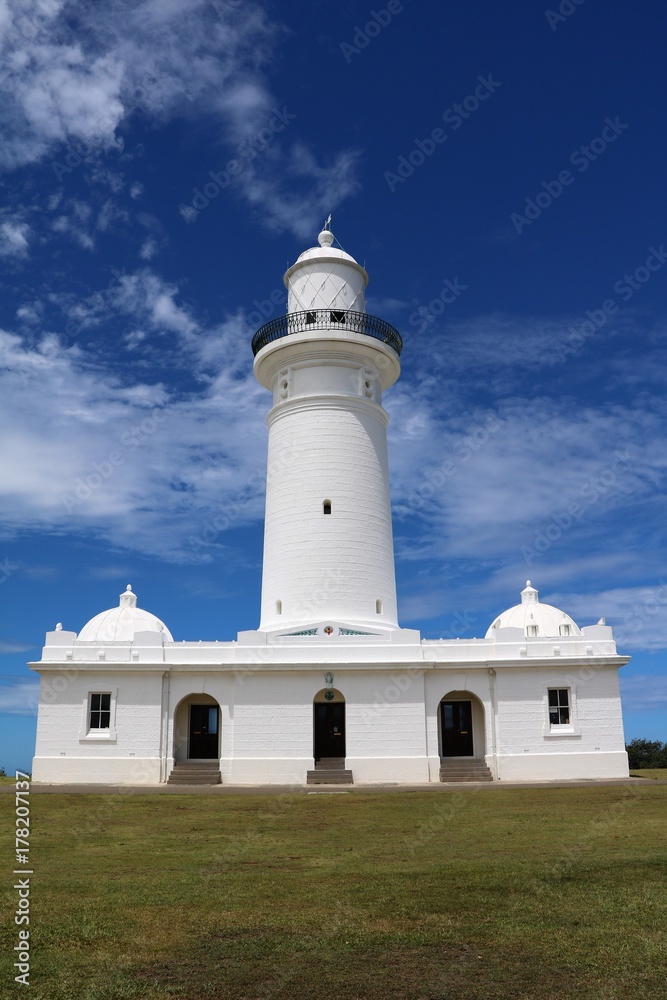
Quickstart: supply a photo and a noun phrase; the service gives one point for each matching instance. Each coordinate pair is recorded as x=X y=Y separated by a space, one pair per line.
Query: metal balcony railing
x=327 y=319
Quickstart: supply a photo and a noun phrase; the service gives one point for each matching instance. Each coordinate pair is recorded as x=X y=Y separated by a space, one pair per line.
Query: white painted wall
x=129 y=752
x=319 y=565
x=326 y=282
x=392 y=724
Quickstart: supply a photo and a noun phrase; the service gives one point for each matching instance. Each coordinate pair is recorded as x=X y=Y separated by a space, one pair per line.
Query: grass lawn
x=510 y=893
x=650 y=772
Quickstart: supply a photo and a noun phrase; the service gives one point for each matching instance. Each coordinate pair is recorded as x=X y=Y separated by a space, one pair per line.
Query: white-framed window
x=98 y=717
x=559 y=707
x=564 y=629
x=532 y=630
x=561 y=717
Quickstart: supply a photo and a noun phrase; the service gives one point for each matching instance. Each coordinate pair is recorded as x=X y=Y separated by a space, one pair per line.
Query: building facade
x=329 y=687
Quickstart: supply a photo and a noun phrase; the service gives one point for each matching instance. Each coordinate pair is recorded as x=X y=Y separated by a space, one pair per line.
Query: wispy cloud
x=21 y=698
x=14 y=242
x=141 y=463
x=74 y=74
x=492 y=483
x=638 y=614
x=14 y=647
x=644 y=692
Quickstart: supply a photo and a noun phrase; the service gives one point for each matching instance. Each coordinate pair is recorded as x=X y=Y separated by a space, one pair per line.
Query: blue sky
x=501 y=175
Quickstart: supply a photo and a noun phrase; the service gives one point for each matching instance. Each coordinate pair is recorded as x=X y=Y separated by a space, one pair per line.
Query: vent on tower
x=326 y=507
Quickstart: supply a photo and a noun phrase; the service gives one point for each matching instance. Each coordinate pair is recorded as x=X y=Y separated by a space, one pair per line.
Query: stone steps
x=330 y=763
x=196 y=772
x=463 y=769
x=329 y=778
x=329 y=771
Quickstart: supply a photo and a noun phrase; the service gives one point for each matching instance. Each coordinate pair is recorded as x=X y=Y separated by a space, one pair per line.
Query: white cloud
x=188 y=213
x=638 y=615
x=149 y=248
x=76 y=221
x=68 y=91
x=110 y=215
x=480 y=486
x=64 y=83
x=384 y=305
x=21 y=698
x=490 y=350
x=30 y=312
x=320 y=189
x=141 y=296
x=136 y=462
x=525 y=476
x=14 y=647
x=14 y=239
x=644 y=692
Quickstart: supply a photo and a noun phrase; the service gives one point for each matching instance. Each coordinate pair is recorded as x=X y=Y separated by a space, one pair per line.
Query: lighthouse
x=328 y=545
x=329 y=689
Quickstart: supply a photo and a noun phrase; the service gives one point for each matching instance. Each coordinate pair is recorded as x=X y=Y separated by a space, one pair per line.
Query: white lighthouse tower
x=328 y=546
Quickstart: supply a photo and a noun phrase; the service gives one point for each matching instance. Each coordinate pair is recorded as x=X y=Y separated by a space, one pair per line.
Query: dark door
x=203 y=732
x=456 y=728
x=329 y=730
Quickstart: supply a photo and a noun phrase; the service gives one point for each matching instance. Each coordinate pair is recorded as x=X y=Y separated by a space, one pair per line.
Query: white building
x=329 y=687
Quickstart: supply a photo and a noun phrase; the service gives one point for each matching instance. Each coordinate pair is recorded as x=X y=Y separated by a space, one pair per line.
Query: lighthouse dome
x=120 y=624
x=325 y=249
x=537 y=620
x=325 y=277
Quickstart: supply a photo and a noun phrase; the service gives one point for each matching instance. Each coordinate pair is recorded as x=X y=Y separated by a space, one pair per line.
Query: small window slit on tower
x=279 y=607
x=326 y=506
x=378 y=607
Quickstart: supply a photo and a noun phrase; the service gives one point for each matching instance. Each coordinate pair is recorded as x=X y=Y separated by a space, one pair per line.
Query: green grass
x=511 y=893
x=650 y=772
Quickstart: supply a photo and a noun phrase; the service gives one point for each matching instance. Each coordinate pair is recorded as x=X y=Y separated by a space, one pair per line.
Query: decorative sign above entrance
x=328 y=631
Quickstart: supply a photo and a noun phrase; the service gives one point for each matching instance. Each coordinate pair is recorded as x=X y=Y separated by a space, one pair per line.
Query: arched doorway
x=197 y=728
x=328 y=724
x=461 y=725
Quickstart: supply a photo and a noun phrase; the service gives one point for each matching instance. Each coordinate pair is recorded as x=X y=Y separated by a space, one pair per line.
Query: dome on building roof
x=327 y=251
x=536 y=619
x=120 y=624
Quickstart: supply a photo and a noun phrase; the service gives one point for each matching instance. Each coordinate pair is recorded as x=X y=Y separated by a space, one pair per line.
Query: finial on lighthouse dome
x=326 y=237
